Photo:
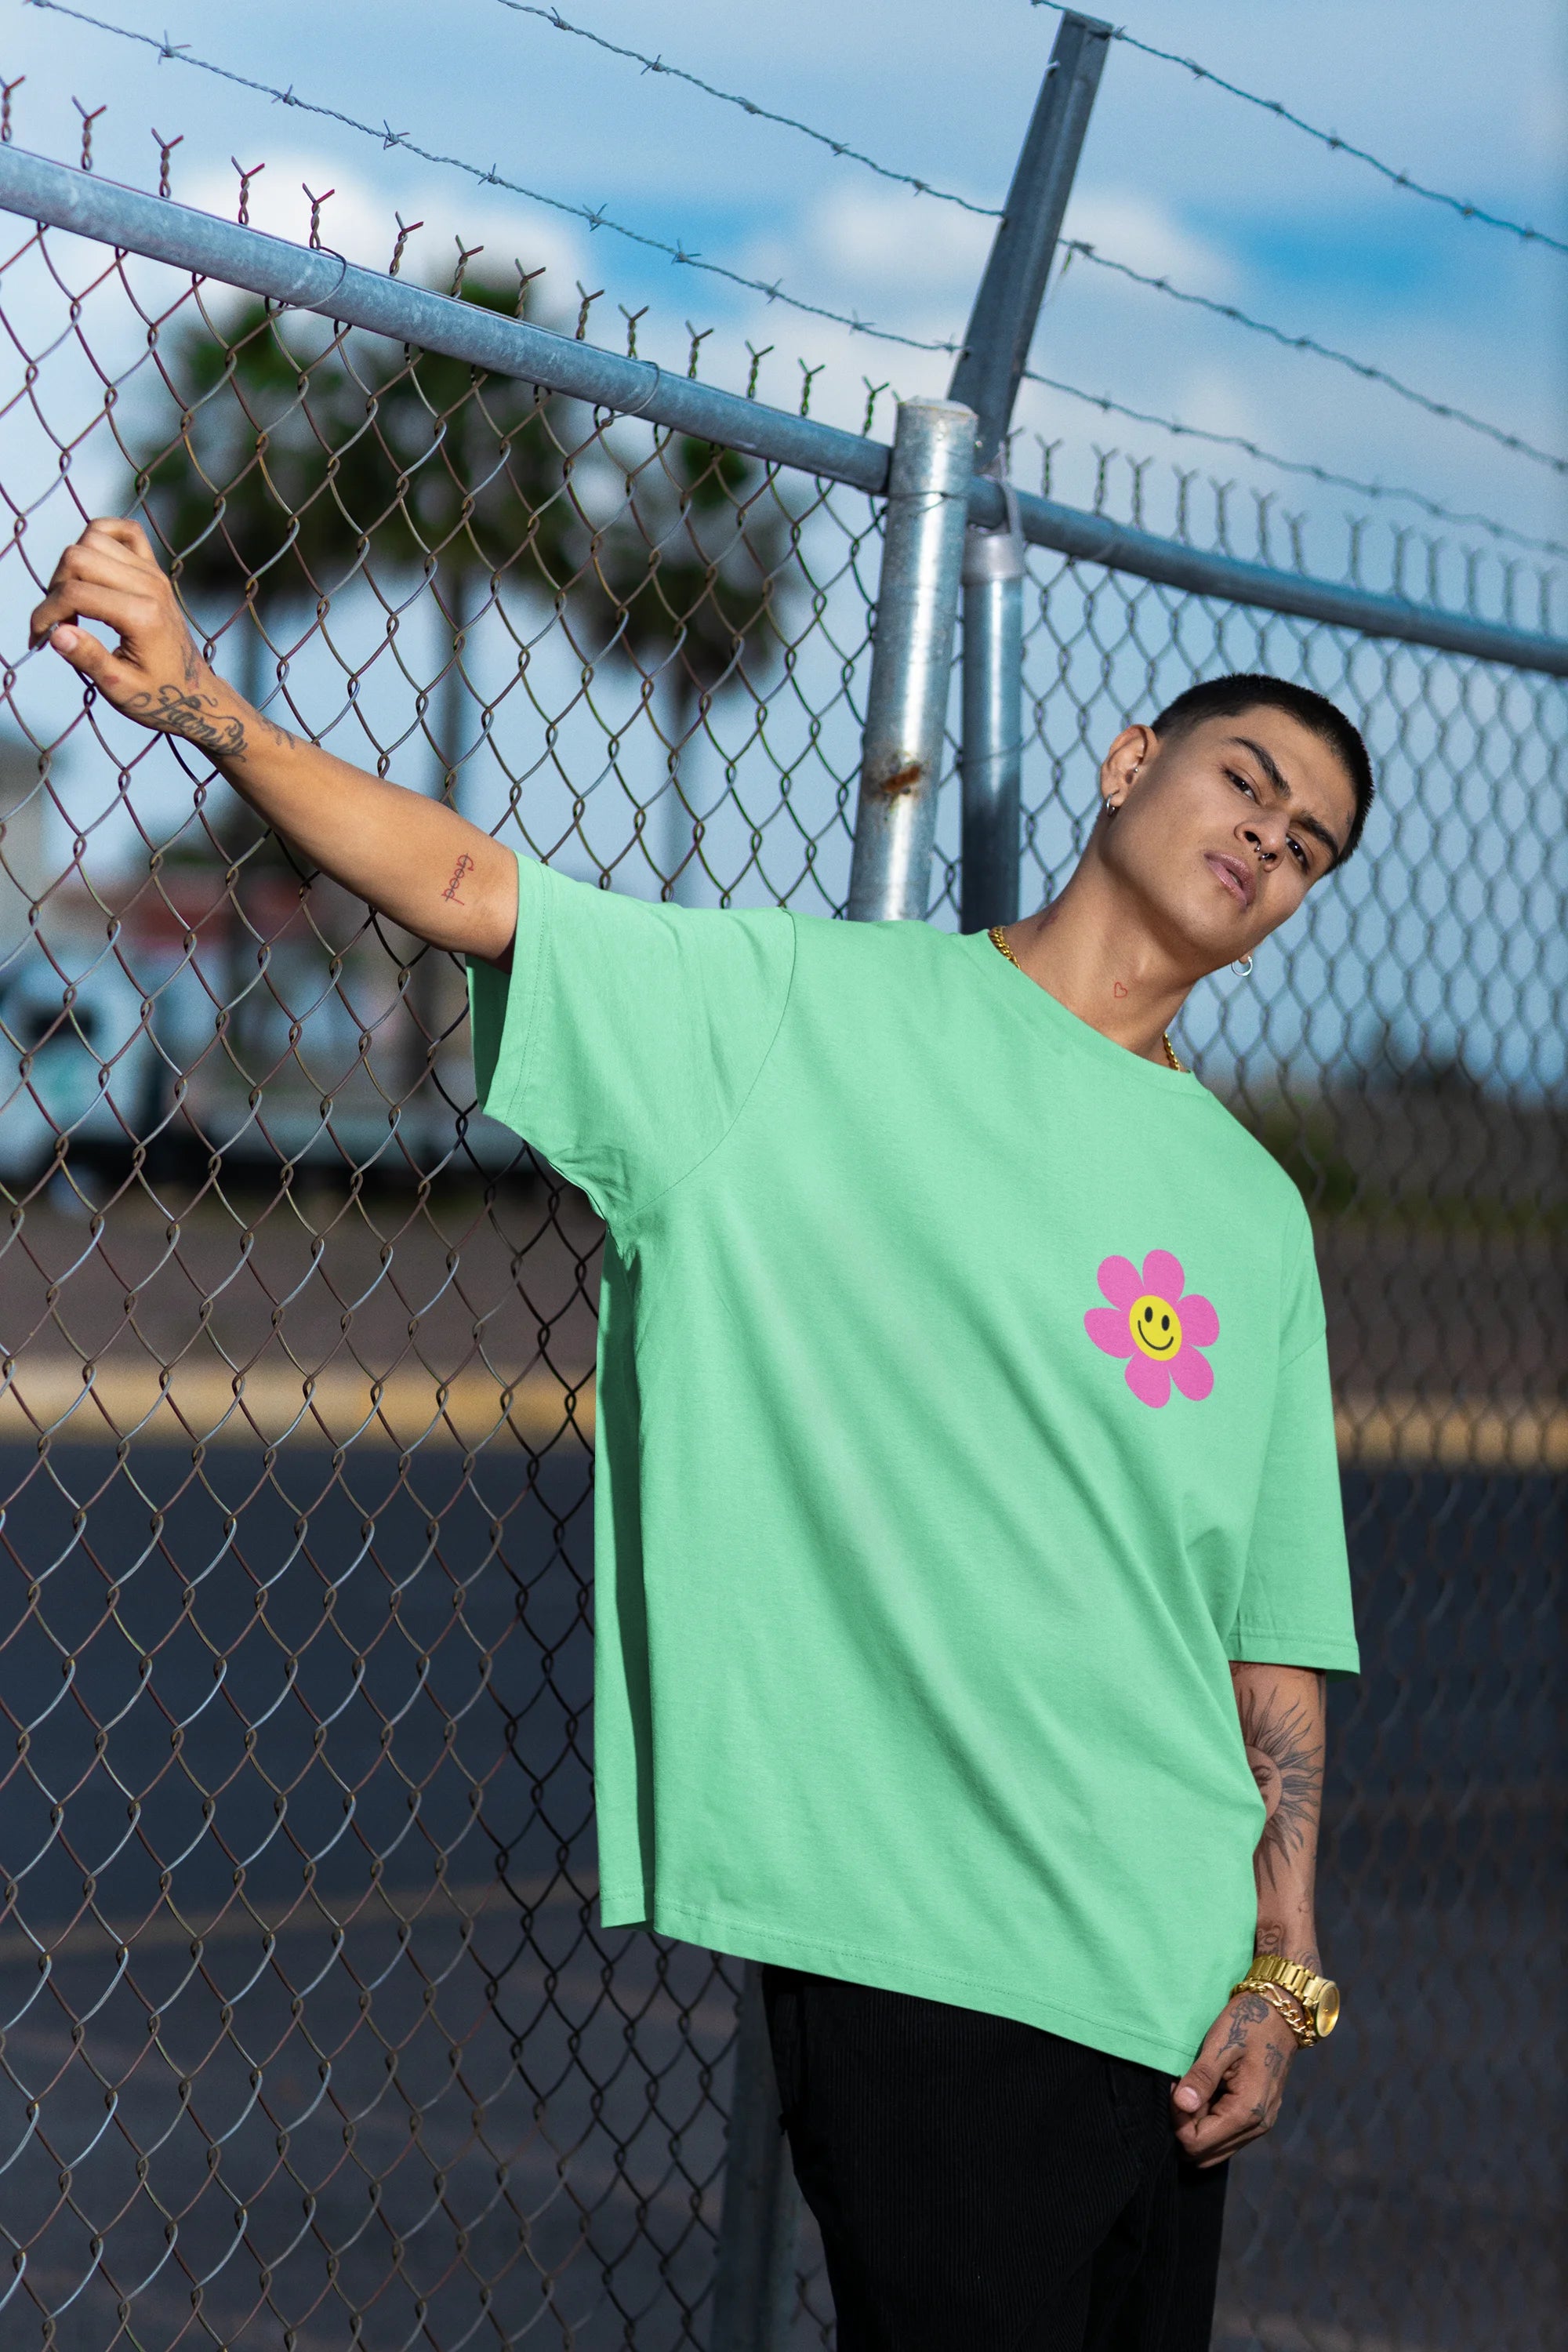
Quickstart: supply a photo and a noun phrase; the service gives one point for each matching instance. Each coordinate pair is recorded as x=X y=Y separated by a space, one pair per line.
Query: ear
x=1132 y=752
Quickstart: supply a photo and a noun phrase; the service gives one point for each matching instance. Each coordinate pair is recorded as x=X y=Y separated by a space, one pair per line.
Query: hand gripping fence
x=309 y=2034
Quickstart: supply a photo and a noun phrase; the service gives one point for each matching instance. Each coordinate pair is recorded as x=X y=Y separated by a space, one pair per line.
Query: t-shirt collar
x=1067 y=1032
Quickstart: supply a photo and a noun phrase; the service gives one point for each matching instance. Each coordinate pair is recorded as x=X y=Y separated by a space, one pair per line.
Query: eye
x=1243 y=784
x=1299 y=854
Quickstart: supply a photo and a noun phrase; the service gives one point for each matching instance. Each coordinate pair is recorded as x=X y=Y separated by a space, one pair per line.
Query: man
x=968 y=1513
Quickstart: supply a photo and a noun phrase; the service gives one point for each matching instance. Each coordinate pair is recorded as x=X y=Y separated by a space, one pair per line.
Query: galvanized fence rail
x=309 y=2031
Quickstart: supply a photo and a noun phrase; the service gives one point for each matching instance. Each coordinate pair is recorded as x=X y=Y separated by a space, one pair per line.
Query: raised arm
x=420 y=863
x=1232 y=2090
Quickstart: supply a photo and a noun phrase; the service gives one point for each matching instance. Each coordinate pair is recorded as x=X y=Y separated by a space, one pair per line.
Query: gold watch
x=1319 y=1997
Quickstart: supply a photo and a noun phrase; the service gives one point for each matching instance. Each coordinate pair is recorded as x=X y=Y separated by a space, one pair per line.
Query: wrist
x=217 y=716
x=222 y=701
x=201 y=709
x=1292 y=1938
x=1308 y=2000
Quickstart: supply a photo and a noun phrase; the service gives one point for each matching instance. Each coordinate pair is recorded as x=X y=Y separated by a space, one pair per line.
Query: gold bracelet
x=1319 y=1996
x=1292 y=2010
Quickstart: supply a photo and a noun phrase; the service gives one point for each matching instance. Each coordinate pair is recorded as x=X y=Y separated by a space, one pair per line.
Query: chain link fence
x=309 y=2034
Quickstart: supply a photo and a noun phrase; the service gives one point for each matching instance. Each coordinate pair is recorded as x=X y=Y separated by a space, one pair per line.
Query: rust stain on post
x=902 y=779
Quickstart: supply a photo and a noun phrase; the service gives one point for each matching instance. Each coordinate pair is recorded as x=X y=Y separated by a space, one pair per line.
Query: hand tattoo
x=464 y=865
x=188 y=715
x=1288 y=1766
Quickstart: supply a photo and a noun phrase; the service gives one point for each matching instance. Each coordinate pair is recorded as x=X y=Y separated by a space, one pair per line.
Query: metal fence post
x=990 y=760
x=912 y=662
x=753 y=2282
x=905 y=709
x=995 y=350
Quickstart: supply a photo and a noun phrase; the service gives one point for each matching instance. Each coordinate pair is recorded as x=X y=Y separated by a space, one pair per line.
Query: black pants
x=984 y=2187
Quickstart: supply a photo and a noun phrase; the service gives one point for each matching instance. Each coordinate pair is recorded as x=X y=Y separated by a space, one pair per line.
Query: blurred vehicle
x=75 y=1060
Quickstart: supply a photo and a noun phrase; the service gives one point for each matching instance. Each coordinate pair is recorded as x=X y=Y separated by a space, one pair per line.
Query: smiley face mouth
x=1155 y=1326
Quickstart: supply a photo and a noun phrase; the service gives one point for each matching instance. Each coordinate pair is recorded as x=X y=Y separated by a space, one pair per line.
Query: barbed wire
x=1330 y=139
x=180 y=53
x=1173 y=424
x=750 y=106
x=1364 y=368
x=597 y=217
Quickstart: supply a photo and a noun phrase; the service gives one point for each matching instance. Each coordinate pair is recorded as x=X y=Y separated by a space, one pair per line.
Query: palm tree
x=695 y=570
x=296 y=470
x=303 y=462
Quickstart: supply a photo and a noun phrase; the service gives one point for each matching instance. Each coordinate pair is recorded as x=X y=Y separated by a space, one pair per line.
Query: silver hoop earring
x=1242 y=969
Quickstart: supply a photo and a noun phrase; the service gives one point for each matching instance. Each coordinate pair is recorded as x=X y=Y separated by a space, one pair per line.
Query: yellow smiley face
x=1156 y=1326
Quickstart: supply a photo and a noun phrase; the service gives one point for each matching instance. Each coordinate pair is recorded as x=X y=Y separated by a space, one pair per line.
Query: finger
x=44 y=617
x=1241 y=2112
x=104 y=561
x=1224 y=2154
x=59 y=604
x=86 y=654
x=122 y=533
x=122 y=609
x=1204 y=2077
x=1217 y=2131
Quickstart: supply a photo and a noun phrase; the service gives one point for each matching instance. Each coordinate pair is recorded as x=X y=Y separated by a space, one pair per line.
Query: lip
x=1235 y=875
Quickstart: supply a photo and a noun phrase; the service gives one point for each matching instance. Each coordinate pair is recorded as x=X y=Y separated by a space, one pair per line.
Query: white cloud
x=879 y=254
x=1220 y=400
x=360 y=221
x=913 y=265
x=356 y=222
x=1128 y=227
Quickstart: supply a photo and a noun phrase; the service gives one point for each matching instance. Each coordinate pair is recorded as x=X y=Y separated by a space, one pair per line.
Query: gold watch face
x=1327 y=2015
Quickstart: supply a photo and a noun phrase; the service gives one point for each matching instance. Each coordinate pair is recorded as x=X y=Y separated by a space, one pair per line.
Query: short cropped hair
x=1228 y=698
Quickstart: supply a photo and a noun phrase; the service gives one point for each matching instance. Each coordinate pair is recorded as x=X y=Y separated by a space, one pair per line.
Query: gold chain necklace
x=998 y=939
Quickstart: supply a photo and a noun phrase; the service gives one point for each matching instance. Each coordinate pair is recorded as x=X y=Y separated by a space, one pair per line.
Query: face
x=1222 y=829
x=1156 y=1327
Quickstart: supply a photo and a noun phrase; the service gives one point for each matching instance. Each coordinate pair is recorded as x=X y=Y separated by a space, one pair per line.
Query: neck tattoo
x=998 y=939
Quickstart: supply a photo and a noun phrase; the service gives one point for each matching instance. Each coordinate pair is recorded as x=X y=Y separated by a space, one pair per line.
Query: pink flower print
x=1155 y=1327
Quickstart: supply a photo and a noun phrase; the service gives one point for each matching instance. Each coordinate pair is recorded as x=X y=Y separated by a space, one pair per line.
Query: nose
x=1261 y=847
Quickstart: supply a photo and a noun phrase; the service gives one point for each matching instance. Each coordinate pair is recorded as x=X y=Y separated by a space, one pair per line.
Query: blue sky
x=1177 y=178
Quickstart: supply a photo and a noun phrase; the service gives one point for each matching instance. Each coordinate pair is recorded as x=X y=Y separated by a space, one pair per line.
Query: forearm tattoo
x=1285 y=1749
x=194 y=716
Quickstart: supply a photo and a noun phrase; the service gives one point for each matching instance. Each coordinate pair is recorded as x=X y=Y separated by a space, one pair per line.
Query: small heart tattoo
x=1117 y=989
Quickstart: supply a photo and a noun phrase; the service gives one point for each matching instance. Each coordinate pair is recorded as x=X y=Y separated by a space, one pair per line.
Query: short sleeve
x=1295 y=1608
x=627 y=1037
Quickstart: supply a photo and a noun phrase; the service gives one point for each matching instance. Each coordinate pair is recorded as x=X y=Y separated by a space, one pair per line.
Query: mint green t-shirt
x=962 y=1408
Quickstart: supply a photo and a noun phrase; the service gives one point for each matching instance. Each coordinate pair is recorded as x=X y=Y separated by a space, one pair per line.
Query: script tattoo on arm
x=1285 y=1749
x=193 y=716
x=464 y=865
x=199 y=719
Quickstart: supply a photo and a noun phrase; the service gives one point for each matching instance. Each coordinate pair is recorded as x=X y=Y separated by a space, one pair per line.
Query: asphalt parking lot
x=374 y=2056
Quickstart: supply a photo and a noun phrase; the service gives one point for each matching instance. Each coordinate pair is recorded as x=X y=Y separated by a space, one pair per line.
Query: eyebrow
x=1281 y=783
